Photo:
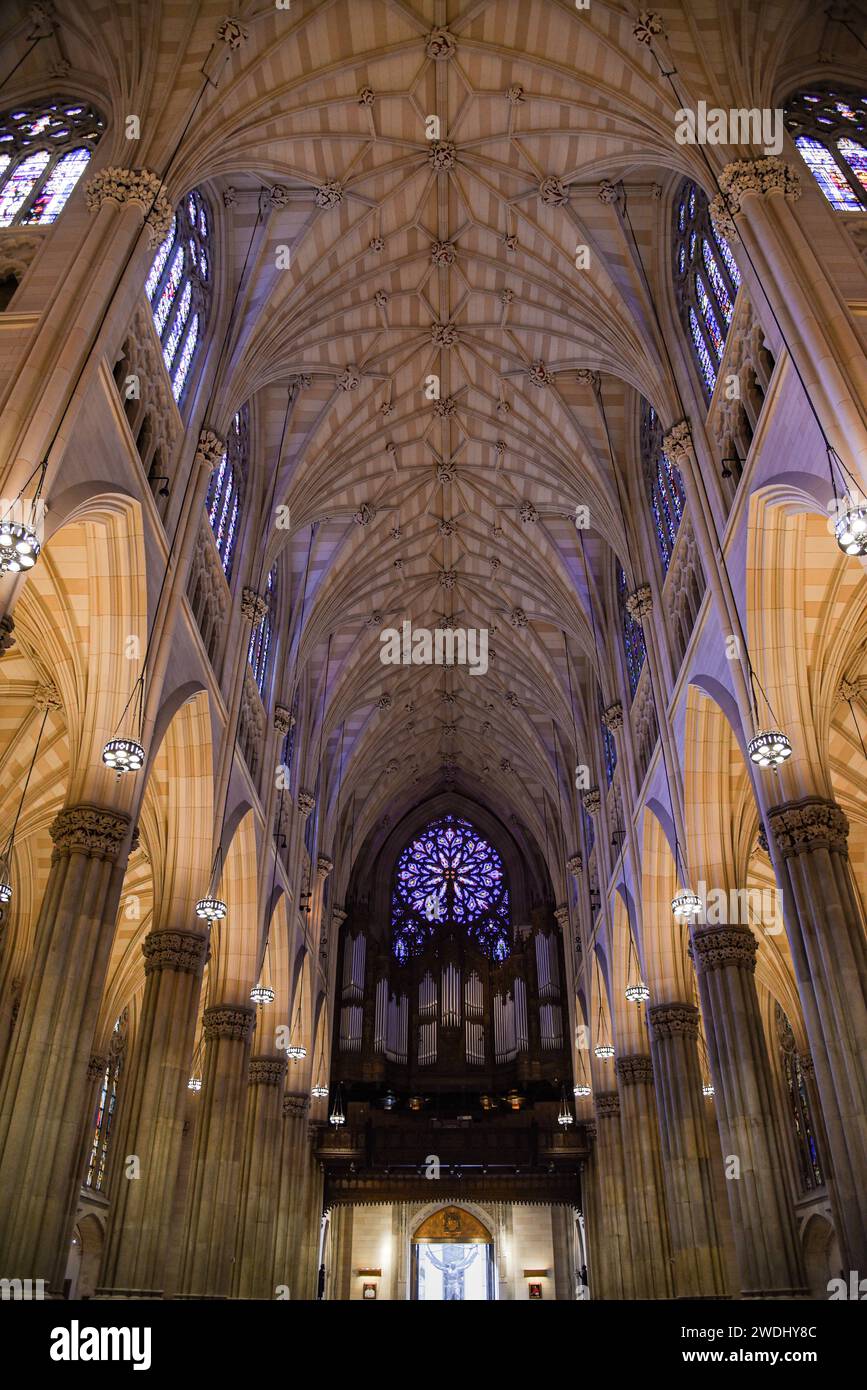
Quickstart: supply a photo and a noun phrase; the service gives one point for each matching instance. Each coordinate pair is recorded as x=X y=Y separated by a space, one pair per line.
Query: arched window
x=810 y=1170
x=97 y=1172
x=225 y=494
x=260 y=638
x=178 y=288
x=829 y=127
x=449 y=875
x=609 y=747
x=45 y=147
x=706 y=281
x=664 y=485
x=633 y=637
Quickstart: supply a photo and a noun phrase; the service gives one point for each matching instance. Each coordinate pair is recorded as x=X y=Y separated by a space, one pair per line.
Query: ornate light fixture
x=6 y=851
x=319 y=1091
x=604 y=1051
x=770 y=747
x=851 y=528
x=707 y=1089
x=337 y=1116
x=127 y=754
x=686 y=905
x=19 y=541
x=211 y=909
x=636 y=992
x=582 y=1089
x=5 y=884
x=565 y=1117
x=296 y=1052
x=194 y=1083
x=262 y=994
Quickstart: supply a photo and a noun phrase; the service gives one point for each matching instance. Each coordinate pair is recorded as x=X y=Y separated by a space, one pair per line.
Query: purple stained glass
x=681 y=217
x=192 y=209
x=160 y=259
x=633 y=637
x=177 y=328
x=731 y=264
x=449 y=874
x=51 y=199
x=715 y=275
x=203 y=221
x=170 y=289
x=828 y=174
x=20 y=184
x=183 y=367
x=260 y=637
x=716 y=336
x=708 y=370
x=855 y=156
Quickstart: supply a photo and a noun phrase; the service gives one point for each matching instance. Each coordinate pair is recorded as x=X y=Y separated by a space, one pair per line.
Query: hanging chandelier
x=582 y=1089
x=211 y=909
x=707 y=1089
x=5 y=883
x=604 y=1051
x=851 y=528
x=565 y=1117
x=6 y=851
x=685 y=905
x=637 y=994
x=262 y=994
x=123 y=755
x=296 y=1052
x=770 y=747
x=19 y=547
x=337 y=1116
x=194 y=1083
x=319 y=1091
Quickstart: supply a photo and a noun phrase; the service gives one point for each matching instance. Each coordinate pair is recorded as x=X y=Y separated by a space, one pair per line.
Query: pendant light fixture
x=603 y=1050
x=337 y=1117
x=195 y=1081
x=6 y=852
x=769 y=747
x=296 y=1051
x=565 y=1117
x=707 y=1087
x=636 y=991
x=125 y=752
x=262 y=993
x=19 y=540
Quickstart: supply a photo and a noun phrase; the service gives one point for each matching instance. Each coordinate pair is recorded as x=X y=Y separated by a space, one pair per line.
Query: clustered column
x=648 y=1222
x=253 y=1275
x=695 y=1242
x=617 y=1279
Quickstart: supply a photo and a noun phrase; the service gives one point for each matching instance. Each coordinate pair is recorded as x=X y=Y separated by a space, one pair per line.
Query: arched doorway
x=452 y=1258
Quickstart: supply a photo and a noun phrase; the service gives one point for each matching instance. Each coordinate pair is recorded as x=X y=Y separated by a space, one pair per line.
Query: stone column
x=825 y=926
x=253 y=1274
x=563 y=1243
x=645 y=1192
x=766 y=1239
x=311 y=1215
x=206 y=1269
x=695 y=1243
x=295 y=1109
x=152 y=1115
x=614 y=1222
x=45 y=1086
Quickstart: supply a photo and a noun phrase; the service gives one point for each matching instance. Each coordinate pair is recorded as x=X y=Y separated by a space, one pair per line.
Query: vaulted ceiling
x=432 y=169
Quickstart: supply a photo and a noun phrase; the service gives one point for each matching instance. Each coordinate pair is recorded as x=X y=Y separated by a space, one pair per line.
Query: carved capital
x=635 y=1070
x=96 y=1067
x=306 y=802
x=799 y=827
x=674 y=1020
x=612 y=717
x=267 y=1071
x=7 y=627
x=592 y=799
x=608 y=192
x=338 y=916
x=295 y=1107
x=745 y=177
x=141 y=187
x=762 y=838
x=677 y=444
x=284 y=719
x=183 y=951
x=209 y=450
x=714 y=948
x=640 y=603
x=89 y=830
x=561 y=915
x=235 y=1021
x=575 y=865
x=253 y=606
x=808 y=1066
x=47 y=696
x=607 y=1105
x=324 y=865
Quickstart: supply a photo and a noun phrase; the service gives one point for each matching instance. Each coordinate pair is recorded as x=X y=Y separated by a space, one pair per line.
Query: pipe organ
x=451 y=1017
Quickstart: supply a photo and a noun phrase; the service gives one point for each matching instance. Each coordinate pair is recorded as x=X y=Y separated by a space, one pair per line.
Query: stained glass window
x=809 y=1162
x=609 y=749
x=633 y=637
x=260 y=638
x=179 y=287
x=225 y=495
x=706 y=280
x=829 y=126
x=449 y=876
x=44 y=150
x=663 y=482
x=97 y=1172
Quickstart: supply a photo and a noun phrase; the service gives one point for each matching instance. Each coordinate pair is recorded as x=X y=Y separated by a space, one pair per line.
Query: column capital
x=306 y=802
x=253 y=605
x=183 y=951
x=635 y=1069
x=96 y=1066
x=639 y=604
x=324 y=865
x=209 y=450
x=799 y=827
x=674 y=1020
x=295 y=1107
x=283 y=719
x=235 y=1021
x=715 y=948
x=744 y=177
x=142 y=187
x=267 y=1071
x=677 y=444
x=612 y=717
x=90 y=830
x=607 y=1105
x=592 y=799
x=561 y=916
x=808 y=1066
x=7 y=627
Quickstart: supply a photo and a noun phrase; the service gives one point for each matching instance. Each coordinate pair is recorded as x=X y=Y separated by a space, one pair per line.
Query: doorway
x=452 y=1259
